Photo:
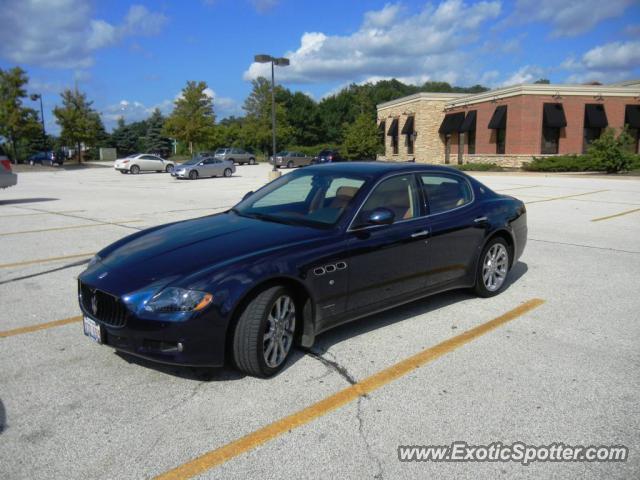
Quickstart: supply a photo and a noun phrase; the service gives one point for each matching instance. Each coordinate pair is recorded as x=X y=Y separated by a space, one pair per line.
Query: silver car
x=291 y=159
x=236 y=155
x=204 y=167
x=143 y=162
x=7 y=177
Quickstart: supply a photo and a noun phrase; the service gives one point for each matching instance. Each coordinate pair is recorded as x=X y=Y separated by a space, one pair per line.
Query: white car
x=143 y=162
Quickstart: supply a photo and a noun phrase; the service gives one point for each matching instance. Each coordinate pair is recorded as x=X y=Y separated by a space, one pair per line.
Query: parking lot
x=566 y=371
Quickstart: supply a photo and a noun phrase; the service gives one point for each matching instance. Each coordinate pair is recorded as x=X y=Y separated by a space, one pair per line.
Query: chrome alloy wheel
x=278 y=338
x=495 y=266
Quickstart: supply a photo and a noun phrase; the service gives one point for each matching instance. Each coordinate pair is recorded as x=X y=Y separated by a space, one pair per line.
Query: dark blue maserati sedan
x=311 y=250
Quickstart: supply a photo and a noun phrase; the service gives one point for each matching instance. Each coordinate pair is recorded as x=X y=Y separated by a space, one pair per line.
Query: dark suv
x=45 y=158
x=328 y=156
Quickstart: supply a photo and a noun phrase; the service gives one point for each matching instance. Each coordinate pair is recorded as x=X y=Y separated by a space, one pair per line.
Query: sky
x=133 y=56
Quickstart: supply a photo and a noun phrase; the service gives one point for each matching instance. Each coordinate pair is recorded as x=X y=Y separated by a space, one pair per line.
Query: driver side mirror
x=247 y=195
x=381 y=216
x=200 y=164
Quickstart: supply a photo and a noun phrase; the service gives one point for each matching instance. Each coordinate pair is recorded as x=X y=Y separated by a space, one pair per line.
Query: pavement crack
x=184 y=400
x=332 y=364
x=374 y=458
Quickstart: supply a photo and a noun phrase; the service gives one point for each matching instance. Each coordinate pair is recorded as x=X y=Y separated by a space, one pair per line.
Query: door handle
x=421 y=233
x=481 y=219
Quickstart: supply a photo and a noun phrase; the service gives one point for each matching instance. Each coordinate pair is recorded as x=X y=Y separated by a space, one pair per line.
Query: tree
x=16 y=121
x=256 y=130
x=544 y=81
x=192 y=120
x=154 y=140
x=361 y=138
x=79 y=123
x=302 y=115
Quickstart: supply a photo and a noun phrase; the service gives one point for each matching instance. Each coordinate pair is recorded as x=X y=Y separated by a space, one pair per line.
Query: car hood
x=171 y=252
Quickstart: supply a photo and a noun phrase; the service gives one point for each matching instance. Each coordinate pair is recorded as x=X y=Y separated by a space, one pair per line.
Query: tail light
x=330 y=157
x=6 y=164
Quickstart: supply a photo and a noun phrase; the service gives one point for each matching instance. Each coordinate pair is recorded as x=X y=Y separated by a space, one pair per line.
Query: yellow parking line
x=45 y=260
x=254 y=439
x=616 y=215
x=566 y=196
x=39 y=326
x=72 y=227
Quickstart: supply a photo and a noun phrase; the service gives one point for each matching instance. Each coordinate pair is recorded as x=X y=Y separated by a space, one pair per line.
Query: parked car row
x=201 y=165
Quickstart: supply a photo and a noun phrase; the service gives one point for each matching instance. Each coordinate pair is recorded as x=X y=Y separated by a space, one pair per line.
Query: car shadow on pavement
x=18 y=201
x=3 y=418
x=328 y=339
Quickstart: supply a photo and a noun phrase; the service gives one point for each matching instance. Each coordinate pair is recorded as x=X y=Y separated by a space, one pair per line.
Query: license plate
x=92 y=329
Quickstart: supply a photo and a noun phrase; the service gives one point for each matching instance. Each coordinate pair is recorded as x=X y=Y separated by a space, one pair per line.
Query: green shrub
x=479 y=167
x=562 y=163
x=611 y=152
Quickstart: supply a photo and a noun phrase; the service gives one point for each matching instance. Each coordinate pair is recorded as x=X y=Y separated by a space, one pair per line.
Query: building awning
x=393 y=128
x=381 y=126
x=553 y=115
x=451 y=123
x=408 y=126
x=632 y=116
x=595 y=116
x=499 y=118
x=469 y=124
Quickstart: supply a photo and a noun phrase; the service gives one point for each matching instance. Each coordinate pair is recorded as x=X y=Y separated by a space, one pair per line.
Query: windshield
x=192 y=161
x=221 y=151
x=283 y=153
x=316 y=199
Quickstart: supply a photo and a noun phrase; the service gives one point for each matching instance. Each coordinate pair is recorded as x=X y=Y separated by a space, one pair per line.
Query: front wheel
x=252 y=161
x=135 y=169
x=289 y=164
x=193 y=175
x=227 y=172
x=264 y=335
x=493 y=268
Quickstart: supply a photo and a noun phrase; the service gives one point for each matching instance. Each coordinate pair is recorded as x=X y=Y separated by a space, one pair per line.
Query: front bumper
x=180 y=174
x=198 y=341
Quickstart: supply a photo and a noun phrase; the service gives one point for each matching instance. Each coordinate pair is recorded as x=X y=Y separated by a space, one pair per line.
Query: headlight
x=178 y=300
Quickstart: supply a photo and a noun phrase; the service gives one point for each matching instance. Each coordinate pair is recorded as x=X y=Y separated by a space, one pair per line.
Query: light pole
x=281 y=62
x=34 y=97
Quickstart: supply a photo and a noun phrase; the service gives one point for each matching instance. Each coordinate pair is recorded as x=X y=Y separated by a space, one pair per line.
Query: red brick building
x=511 y=125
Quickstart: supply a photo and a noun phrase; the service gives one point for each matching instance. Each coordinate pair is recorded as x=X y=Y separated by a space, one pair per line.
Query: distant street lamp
x=281 y=62
x=34 y=97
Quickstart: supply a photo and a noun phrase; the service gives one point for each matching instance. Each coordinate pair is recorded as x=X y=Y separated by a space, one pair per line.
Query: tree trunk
x=14 y=148
x=79 y=153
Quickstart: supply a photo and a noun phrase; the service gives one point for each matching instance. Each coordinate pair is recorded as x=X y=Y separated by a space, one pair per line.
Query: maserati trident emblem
x=94 y=304
x=102 y=275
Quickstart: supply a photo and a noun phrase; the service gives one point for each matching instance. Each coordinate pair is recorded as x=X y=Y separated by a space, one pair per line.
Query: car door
x=455 y=235
x=208 y=167
x=389 y=262
x=147 y=162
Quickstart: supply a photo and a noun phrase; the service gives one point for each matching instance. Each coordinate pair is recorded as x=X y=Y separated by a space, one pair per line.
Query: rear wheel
x=227 y=172
x=493 y=268
x=135 y=169
x=193 y=175
x=169 y=169
x=252 y=161
x=289 y=164
x=263 y=337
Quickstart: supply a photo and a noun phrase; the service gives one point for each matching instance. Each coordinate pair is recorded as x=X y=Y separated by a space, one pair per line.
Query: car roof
x=379 y=168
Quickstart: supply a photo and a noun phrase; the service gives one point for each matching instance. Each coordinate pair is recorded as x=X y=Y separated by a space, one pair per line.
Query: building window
x=632 y=122
x=498 y=123
x=408 y=132
x=553 y=120
x=393 y=133
x=501 y=140
x=469 y=129
x=595 y=120
x=381 y=129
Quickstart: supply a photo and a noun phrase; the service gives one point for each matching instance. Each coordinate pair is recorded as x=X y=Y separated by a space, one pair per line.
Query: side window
x=398 y=194
x=445 y=192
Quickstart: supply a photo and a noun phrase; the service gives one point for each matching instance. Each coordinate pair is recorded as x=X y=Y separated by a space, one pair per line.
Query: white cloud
x=606 y=63
x=389 y=43
x=526 y=74
x=263 y=6
x=62 y=34
x=569 y=17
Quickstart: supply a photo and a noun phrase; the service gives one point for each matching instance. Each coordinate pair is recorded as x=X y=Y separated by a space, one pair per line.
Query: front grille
x=102 y=306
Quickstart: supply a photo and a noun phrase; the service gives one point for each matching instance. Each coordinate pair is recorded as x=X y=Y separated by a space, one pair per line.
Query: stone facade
x=428 y=111
x=523 y=138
